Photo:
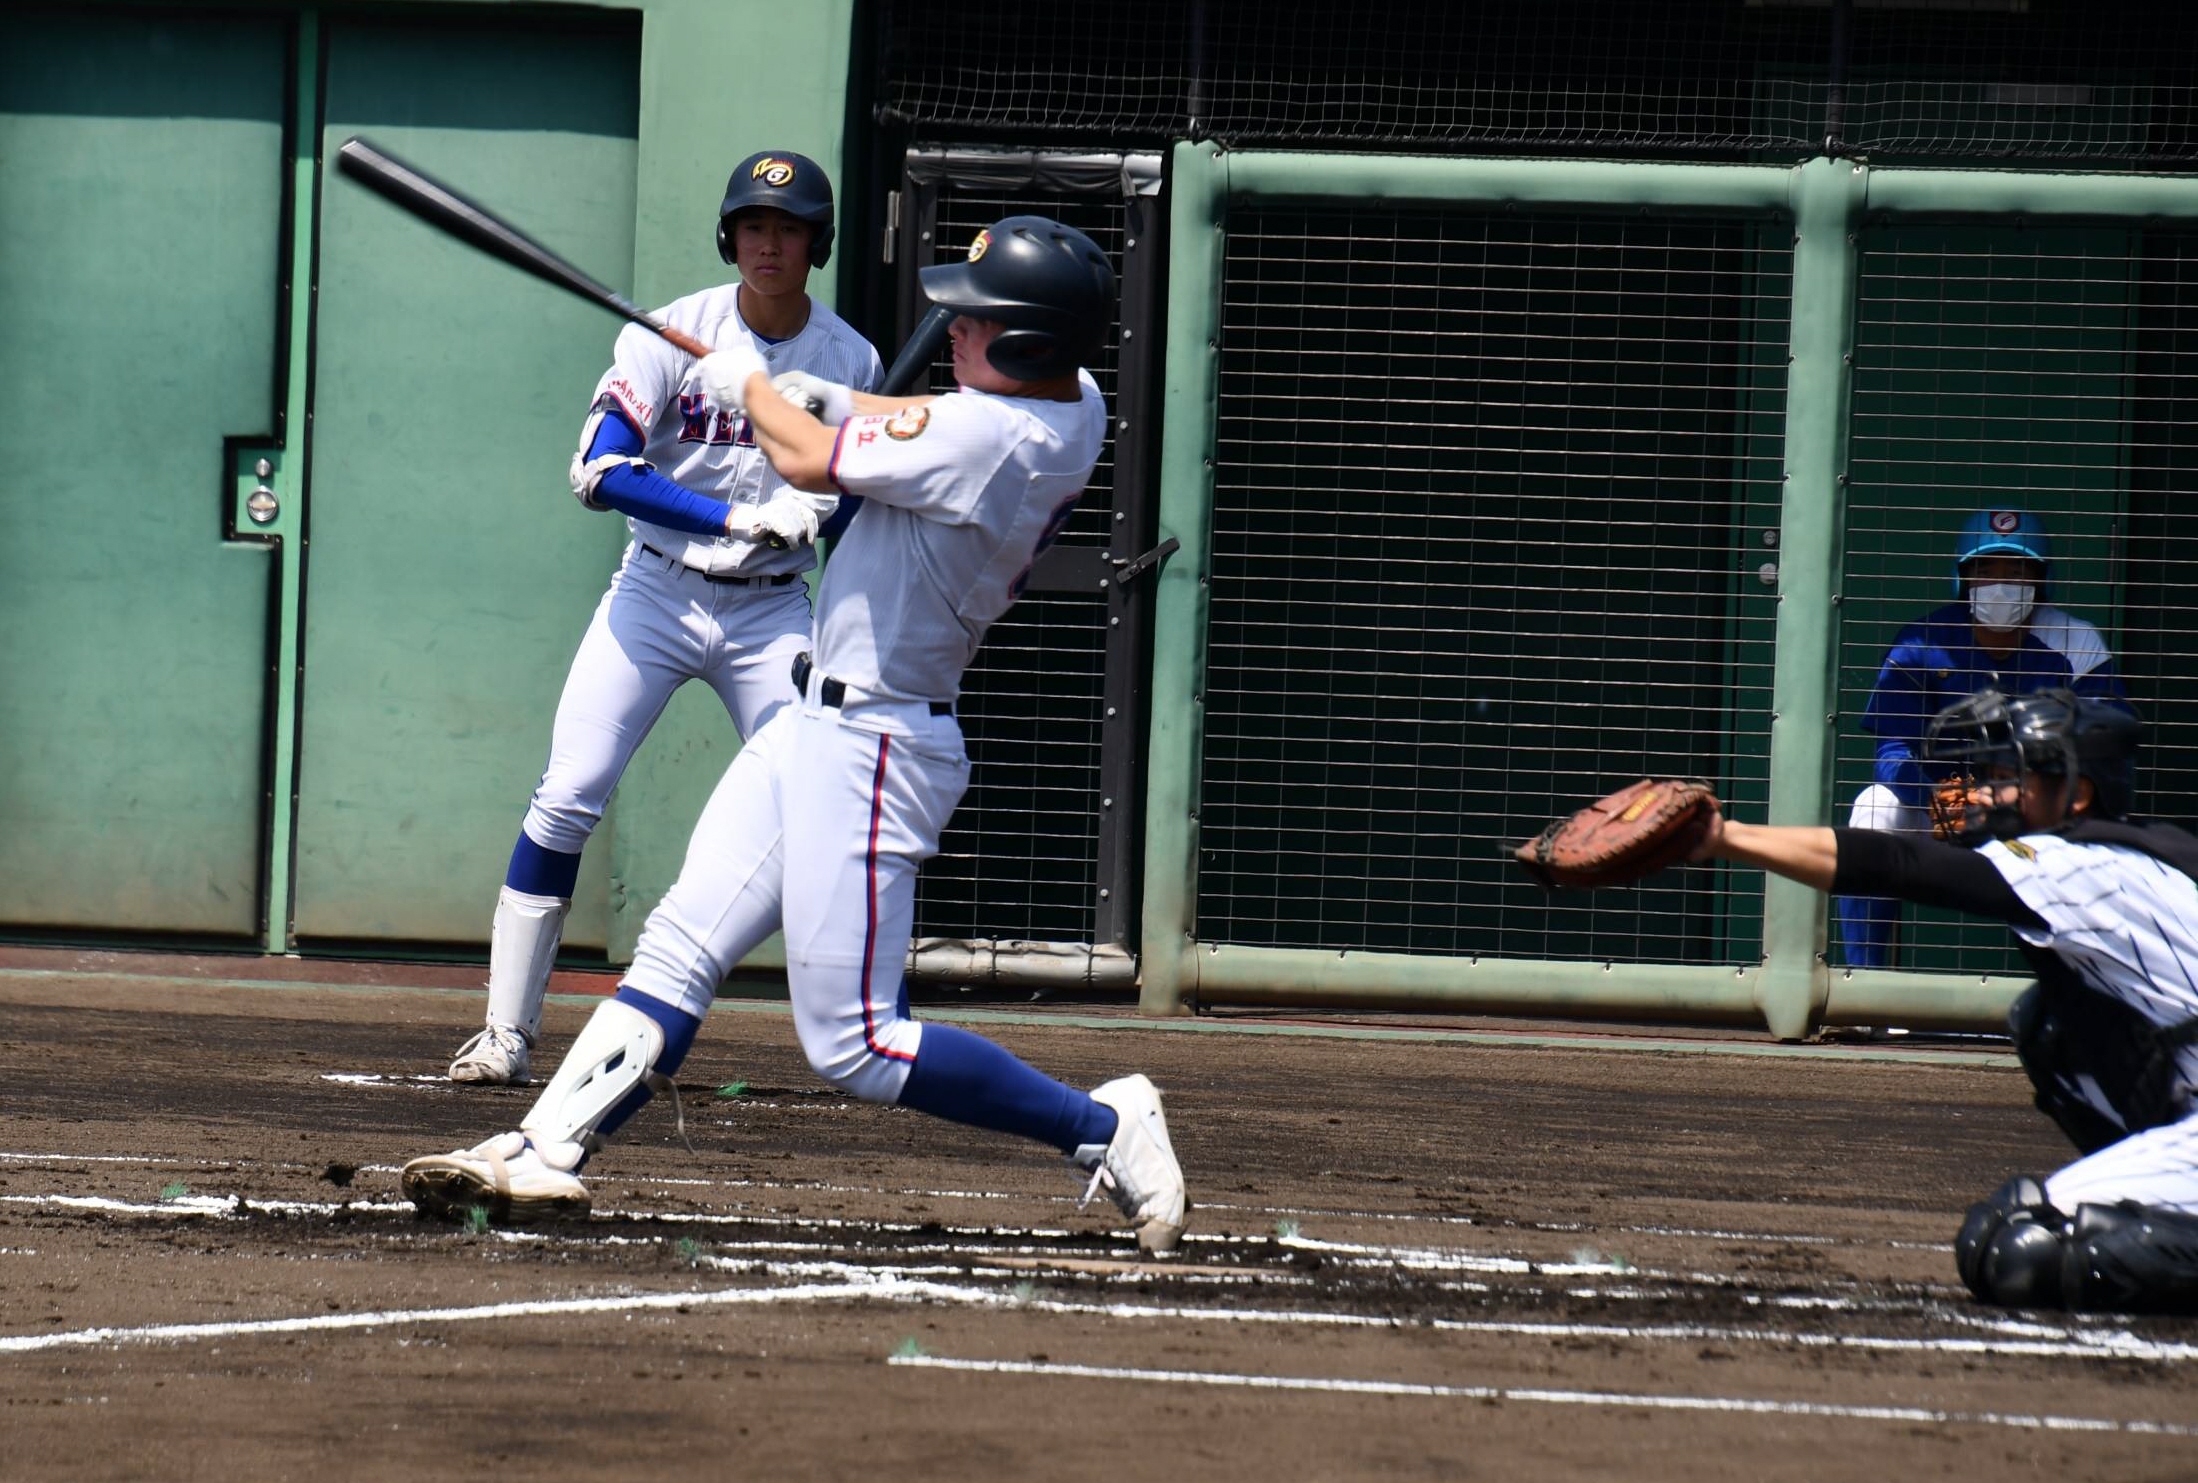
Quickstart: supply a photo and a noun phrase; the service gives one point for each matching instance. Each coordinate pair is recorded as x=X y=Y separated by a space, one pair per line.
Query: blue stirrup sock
x=679 y=1038
x=535 y=871
x=965 y=1078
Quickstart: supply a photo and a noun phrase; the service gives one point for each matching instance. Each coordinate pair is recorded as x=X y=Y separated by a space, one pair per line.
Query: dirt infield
x=1501 y=1256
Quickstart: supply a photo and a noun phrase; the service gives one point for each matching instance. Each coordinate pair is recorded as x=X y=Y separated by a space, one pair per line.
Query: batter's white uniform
x=663 y=621
x=821 y=822
x=2128 y=925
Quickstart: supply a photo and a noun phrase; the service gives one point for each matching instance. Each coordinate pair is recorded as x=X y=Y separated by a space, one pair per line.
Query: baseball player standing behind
x=710 y=587
x=1998 y=634
x=2105 y=908
x=821 y=822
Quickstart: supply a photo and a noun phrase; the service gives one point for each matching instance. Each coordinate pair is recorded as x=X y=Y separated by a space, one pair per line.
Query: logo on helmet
x=905 y=425
x=2006 y=522
x=773 y=172
x=978 y=248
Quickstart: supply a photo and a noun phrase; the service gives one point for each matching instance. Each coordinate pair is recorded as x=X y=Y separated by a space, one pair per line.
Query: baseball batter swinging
x=821 y=822
x=710 y=587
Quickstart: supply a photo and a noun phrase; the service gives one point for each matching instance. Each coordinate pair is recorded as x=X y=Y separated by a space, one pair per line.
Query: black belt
x=834 y=692
x=727 y=578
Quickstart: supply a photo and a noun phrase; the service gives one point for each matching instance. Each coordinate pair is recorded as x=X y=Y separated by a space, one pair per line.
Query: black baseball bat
x=470 y=222
x=923 y=347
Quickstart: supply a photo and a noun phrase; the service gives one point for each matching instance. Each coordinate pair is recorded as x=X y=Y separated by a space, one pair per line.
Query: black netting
x=2014 y=80
x=1488 y=493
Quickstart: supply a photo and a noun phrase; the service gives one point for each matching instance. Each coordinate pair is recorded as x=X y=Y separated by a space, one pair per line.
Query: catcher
x=2105 y=908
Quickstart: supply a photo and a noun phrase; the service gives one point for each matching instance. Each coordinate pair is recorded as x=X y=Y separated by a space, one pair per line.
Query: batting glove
x=725 y=376
x=827 y=401
x=782 y=523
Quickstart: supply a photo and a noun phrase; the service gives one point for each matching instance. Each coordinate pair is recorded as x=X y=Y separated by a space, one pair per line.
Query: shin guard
x=611 y=1064
x=522 y=950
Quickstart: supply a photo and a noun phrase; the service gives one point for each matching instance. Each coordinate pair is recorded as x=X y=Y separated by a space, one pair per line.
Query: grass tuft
x=175 y=1191
x=732 y=1089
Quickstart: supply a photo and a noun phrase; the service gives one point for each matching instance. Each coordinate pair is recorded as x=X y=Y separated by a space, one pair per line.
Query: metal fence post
x=1197 y=194
x=1828 y=196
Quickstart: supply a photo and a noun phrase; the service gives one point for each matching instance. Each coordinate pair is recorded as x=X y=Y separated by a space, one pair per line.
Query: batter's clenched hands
x=726 y=375
x=827 y=401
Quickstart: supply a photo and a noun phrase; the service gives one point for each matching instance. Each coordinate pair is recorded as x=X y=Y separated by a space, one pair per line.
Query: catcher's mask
x=2054 y=734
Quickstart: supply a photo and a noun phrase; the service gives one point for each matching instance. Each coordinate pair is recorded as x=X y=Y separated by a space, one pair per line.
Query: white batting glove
x=783 y=523
x=827 y=401
x=725 y=375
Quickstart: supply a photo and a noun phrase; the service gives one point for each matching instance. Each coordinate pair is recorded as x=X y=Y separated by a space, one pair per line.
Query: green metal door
x=450 y=572
x=141 y=214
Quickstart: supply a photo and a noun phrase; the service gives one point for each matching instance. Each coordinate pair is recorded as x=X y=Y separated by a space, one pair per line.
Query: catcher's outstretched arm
x=1807 y=855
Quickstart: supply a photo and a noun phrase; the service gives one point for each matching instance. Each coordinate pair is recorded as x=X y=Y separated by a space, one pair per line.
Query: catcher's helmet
x=794 y=183
x=2003 y=533
x=1049 y=284
x=2055 y=732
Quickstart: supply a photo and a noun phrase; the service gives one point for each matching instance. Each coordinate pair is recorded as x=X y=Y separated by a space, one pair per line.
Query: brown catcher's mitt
x=1634 y=832
x=1951 y=801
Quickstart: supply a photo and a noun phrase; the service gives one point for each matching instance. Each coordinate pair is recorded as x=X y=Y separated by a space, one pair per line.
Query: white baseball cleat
x=508 y=1177
x=1138 y=1169
x=495 y=1057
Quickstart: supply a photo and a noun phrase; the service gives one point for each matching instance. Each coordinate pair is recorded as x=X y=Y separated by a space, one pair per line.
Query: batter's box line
x=1743 y=1405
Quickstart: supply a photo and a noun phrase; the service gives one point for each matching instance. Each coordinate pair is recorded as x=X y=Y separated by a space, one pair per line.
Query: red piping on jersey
x=870 y=931
x=832 y=464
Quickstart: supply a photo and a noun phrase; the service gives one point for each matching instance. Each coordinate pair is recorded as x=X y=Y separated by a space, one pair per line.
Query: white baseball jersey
x=2128 y=925
x=710 y=449
x=820 y=824
x=962 y=494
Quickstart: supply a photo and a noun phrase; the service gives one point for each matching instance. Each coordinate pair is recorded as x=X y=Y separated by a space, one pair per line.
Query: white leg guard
x=522 y=949
x=615 y=1053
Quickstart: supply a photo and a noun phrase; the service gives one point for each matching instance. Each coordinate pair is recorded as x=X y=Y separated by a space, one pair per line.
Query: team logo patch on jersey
x=902 y=426
x=773 y=172
x=2019 y=850
x=2004 y=522
x=983 y=244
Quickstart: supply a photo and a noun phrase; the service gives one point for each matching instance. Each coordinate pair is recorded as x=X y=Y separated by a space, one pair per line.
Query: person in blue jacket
x=2000 y=634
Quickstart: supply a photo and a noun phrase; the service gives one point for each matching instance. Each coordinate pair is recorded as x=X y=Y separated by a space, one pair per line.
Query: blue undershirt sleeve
x=646 y=494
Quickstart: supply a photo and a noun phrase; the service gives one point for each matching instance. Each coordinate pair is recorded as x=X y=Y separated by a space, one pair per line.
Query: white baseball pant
x=659 y=625
x=819 y=827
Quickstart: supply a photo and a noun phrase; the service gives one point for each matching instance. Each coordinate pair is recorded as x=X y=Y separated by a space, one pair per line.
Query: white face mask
x=2002 y=604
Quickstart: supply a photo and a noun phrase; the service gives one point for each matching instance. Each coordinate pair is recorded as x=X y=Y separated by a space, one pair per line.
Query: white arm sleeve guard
x=587 y=474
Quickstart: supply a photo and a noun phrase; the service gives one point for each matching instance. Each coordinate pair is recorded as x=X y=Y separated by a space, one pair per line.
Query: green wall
x=416 y=409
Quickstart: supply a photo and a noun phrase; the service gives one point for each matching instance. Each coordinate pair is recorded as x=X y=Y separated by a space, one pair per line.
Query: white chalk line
x=1743 y=1405
x=921 y=1284
x=2018 y=1338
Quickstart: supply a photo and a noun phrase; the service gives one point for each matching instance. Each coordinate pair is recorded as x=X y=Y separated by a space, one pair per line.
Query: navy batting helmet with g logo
x=794 y=183
x=1049 y=284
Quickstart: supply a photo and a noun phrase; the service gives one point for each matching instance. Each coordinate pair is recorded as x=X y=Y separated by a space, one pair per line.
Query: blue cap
x=2002 y=533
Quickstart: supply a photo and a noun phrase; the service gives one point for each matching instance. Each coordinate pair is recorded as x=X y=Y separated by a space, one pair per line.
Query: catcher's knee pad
x=2131 y=1258
x=2011 y=1247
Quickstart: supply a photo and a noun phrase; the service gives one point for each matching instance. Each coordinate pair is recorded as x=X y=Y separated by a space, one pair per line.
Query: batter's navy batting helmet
x=794 y=183
x=1049 y=284
x=2003 y=533
x=2055 y=732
